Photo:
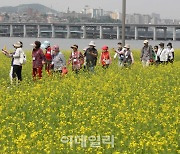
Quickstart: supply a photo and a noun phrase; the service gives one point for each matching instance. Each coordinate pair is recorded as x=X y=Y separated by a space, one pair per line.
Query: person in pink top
x=76 y=58
x=38 y=58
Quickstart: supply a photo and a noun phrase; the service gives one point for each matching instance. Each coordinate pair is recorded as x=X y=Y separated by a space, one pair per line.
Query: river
x=82 y=43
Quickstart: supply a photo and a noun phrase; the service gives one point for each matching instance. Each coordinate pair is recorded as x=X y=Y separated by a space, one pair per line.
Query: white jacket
x=17 y=56
x=170 y=52
x=163 y=54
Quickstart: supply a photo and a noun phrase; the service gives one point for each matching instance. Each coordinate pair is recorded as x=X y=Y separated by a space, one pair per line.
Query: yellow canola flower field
x=110 y=111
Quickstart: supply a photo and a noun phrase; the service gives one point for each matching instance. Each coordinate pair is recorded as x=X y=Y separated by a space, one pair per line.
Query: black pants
x=17 y=72
x=164 y=62
x=171 y=61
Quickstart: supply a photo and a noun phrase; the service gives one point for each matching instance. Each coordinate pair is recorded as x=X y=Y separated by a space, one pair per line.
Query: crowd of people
x=156 y=55
x=54 y=61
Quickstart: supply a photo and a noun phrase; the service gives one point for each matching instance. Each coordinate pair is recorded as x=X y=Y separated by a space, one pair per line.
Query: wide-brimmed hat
x=74 y=46
x=146 y=41
x=18 y=44
x=45 y=44
x=127 y=46
x=36 y=44
x=92 y=43
x=161 y=44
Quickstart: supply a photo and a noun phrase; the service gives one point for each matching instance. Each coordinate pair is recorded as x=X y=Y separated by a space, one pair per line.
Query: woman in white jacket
x=162 y=54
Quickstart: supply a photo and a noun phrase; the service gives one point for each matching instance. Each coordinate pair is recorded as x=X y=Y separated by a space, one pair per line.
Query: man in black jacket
x=91 y=55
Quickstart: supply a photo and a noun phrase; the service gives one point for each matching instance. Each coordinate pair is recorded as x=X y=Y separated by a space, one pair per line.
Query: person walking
x=48 y=55
x=156 y=61
x=105 y=58
x=91 y=55
x=162 y=54
x=128 y=58
x=119 y=53
x=76 y=58
x=16 y=62
x=119 y=49
x=58 y=60
x=170 y=51
x=146 y=54
x=38 y=60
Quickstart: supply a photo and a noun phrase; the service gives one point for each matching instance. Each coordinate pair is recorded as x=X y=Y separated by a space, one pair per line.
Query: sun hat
x=18 y=44
x=127 y=46
x=92 y=43
x=45 y=44
x=105 y=47
x=161 y=44
x=74 y=46
x=146 y=41
x=36 y=44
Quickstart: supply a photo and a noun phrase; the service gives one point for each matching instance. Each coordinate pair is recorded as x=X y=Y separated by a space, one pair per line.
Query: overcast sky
x=166 y=8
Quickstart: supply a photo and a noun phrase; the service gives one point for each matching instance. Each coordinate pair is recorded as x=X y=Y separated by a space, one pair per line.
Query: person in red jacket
x=105 y=58
x=38 y=60
x=48 y=56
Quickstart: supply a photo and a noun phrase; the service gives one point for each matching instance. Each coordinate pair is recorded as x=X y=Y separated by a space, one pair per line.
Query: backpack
x=23 y=58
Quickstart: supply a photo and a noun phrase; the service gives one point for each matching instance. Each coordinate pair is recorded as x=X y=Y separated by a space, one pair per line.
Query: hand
x=43 y=62
x=10 y=55
x=95 y=55
x=51 y=65
x=90 y=52
x=4 y=52
x=150 y=60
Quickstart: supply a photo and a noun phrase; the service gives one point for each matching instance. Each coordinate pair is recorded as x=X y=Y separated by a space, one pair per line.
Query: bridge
x=90 y=30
